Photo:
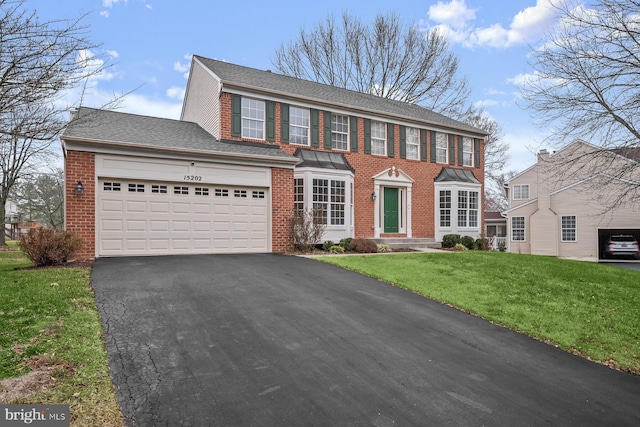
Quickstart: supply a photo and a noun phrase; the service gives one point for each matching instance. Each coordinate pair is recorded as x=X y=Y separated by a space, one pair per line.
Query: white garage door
x=157 y=218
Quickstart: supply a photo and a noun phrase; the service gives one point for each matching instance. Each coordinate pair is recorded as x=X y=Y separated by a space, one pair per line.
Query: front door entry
x=391 y=223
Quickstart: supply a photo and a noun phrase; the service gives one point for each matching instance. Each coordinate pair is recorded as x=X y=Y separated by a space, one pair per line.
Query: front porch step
x=405 y=242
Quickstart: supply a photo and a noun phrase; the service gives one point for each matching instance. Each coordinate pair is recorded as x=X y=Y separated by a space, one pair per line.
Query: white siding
x=202 y=100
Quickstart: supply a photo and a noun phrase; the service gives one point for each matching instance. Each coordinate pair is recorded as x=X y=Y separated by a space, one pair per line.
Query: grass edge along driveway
x=592 y=310
x=51 y=342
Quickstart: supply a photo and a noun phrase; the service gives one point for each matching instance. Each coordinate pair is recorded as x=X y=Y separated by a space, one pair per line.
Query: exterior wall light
x=373 y=196
x=79 y=188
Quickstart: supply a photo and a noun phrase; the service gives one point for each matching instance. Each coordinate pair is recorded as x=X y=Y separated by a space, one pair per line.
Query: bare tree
x=387 y=58
x=586 y=84
x=39 y=62
x=496 y=153
x=40 y=197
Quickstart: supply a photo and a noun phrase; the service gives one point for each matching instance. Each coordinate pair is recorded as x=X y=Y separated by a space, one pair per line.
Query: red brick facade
x=366 y=166
x=80 y=209
x=281 y=209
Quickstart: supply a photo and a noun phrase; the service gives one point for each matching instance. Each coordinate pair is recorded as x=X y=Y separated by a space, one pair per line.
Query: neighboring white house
x=570 y=202
x=11 y=219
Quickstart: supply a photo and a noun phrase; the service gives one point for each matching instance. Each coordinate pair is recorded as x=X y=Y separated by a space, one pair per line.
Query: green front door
x=390 y=210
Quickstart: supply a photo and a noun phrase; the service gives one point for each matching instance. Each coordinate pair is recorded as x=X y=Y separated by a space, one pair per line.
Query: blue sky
x=150 y=42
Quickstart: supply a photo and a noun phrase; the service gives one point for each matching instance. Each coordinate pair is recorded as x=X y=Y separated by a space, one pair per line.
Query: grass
x=49 y=323
x=588 y=309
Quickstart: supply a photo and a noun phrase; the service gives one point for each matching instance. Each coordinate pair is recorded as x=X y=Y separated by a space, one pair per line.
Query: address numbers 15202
x=193 y=178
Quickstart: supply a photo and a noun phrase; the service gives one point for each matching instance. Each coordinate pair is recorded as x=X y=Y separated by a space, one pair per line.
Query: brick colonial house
x=252 y=146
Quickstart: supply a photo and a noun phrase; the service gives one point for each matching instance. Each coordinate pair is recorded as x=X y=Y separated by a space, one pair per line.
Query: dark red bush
x=364 y=246
x=48 y=246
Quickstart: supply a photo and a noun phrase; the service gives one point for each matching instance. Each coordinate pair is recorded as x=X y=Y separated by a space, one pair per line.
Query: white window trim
x=453 y=228
x=384 y=141
x=524 y=229
x=466 y=139
x=416 y=144
x=575 y=228
x=446 y=148
x=243 y=118
x=332 y=232
x=292 y=126
x=520 y=187
x=341 y=133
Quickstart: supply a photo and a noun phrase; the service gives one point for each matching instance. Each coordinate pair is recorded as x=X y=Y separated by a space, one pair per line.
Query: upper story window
x=442 y=148
x=339 y=132
x=378 y=138
x=520 y=192
x=467 y=151
x=413 y=143
x=299 y=126
x=252 y=118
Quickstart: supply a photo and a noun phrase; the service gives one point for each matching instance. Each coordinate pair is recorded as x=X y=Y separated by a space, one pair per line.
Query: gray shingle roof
x=456 y=175
x=94 y=125
x=232 y=74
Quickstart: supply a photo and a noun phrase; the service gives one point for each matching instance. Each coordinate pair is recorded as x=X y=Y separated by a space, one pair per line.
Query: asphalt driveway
x=265 y=340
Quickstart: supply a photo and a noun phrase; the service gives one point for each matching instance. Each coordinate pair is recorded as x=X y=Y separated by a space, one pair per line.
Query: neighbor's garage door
x=157 y=218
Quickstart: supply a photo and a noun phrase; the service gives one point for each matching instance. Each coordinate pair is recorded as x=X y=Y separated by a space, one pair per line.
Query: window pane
x=252 y=118
x=441 y=147
x=445 y=208
x=378 y=138
x=298 y=126
x=413 y=143
x=339 y=132
x=568 y=228
x=467 y=151
x=517 y=228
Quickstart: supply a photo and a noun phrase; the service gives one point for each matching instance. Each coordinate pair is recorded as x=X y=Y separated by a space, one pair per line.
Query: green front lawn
x=49 y=324
x=589 y=309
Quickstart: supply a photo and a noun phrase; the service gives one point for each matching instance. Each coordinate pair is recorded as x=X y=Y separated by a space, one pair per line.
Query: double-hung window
x=378 y=138
x=442 y=147
x=467 y=151
x=468 y=208
x=569 y=228
x=298 y=195
x=445 y=208
x=517 y=229
x=338 y=202
x=299 y=126
x=413 y=143
x=320 y=199
x=520 y=192
x=252 y=118
x=339 y=132
x=473 y=208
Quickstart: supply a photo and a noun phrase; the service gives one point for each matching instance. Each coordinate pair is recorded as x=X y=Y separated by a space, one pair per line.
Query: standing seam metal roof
x=272 y=82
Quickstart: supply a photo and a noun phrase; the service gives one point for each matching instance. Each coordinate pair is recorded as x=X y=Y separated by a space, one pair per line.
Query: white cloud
x=183 y=68
x=175 y=92
x=104 y=13
x=140 y=104
x=113 y=53
x=527 y=26
x=454 y=14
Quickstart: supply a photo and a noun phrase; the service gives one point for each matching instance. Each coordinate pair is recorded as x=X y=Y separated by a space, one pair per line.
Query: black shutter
x=391 y=136
x=452 y=150
x=271 y=120
x=403 y=142
x=367 y=136
x=476 y=152
x=460 y=151
x=433 y=147
x=354 y=133
x=284 y=123
x=236 y=115
x=327 y=129
x=315 y=128
x=423 y=145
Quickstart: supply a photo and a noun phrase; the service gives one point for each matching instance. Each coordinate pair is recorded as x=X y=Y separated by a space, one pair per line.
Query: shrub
x=450 y=240
x=502 y=246
x=327 y=245
x=461 y=247
x=48 y=246
x=336 y=249
x=482 y=244
x=384 y=248
x=364 y=246
x=306 y=229
x=468 y=241
x=346 y=243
